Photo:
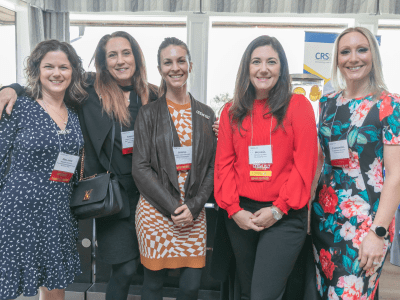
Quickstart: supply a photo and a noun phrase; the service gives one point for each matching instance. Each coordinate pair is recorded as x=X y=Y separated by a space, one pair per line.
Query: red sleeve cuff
x=233 y=209
x=281 y=204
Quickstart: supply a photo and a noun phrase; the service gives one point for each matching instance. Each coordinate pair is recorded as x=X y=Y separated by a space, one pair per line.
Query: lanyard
x=270 y=130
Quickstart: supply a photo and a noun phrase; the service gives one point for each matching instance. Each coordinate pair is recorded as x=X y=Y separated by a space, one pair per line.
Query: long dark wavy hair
x=106 y=86
x=75 y=92
x=164 y=44
x=245 y=93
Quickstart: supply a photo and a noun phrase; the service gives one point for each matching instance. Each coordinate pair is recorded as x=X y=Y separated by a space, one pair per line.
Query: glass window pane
x=228 y=43
x=149 y=38
x=7 y=50
x=390 y=42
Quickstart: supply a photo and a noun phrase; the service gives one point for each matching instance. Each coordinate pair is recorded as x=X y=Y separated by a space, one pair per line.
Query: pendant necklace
x=61 y=131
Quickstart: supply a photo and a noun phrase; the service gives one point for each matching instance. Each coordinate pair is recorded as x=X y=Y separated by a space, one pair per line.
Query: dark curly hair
x=75 y=93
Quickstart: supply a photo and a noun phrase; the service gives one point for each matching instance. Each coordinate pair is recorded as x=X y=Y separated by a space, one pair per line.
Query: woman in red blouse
x=265 y=163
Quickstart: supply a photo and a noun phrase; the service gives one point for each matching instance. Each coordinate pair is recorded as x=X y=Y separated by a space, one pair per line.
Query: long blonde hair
x=377 y=83
x=112 y=97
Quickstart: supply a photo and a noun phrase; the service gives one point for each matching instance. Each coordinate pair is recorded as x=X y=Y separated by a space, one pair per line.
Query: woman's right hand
x=216 y=127
x=243 y=219
x=8 y=97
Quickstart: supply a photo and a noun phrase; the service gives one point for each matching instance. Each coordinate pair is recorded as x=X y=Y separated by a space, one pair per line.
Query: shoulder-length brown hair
x=111 y=95
x=245 y=94
x=377 y=83
x=75 y=92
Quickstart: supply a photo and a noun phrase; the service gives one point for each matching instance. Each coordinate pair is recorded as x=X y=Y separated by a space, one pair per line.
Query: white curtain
x=47 y=25
x=234 y=6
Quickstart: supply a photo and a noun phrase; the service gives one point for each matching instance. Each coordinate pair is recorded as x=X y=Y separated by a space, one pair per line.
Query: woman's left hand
x=183 y=216
x=371 y=250
x=264 y=218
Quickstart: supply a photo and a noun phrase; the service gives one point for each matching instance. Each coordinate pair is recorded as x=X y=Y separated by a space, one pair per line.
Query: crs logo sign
x=323 y=56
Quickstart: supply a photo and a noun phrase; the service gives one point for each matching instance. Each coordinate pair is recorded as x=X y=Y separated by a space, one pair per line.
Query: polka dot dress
x=38 y=233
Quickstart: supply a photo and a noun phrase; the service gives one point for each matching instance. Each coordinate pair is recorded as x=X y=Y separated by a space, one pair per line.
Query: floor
x=389 y=286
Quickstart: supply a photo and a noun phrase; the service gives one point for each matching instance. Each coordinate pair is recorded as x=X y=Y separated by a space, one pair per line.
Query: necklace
x=62 y=118
x=62 y=131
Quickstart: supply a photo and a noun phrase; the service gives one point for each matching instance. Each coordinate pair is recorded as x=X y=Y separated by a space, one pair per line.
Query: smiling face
x=55 y=73
x=355 y=58
x=264 y=70
x=120 y=60
x=175 y=66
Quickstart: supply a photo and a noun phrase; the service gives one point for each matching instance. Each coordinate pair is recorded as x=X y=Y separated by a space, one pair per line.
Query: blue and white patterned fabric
x=38 y=232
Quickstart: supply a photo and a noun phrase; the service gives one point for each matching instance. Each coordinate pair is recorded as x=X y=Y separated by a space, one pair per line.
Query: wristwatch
x=275 y=213
x=379 y=230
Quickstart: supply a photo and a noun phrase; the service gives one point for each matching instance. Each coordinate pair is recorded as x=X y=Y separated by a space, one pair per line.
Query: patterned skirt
x=164 y=245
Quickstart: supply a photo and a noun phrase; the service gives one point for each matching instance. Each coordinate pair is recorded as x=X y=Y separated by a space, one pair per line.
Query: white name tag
x=260 y=154
x=183 y=158
x=64 y=168
x=339 y=152
x=127 y=141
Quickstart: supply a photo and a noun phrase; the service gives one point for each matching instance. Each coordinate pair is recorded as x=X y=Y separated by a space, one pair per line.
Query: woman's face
x=264 y=70
x=120 y=60
x=55 y=73
x=354 y=58
x=175 y=66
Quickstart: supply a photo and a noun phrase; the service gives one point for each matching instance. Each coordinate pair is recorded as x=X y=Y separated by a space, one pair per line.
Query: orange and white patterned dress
x=162 y=244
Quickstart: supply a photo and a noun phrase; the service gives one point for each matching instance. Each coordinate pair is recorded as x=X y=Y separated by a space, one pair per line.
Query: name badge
x=339 y=152
x=183 y=158
x=64 y=168
x=260 y=161
x=127 y=141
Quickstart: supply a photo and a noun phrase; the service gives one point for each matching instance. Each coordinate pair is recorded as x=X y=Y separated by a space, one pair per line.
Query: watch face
x=380 y=231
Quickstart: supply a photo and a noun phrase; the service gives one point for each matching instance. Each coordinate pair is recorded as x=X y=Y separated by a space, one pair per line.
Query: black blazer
x=153 y=161
x=96 y=125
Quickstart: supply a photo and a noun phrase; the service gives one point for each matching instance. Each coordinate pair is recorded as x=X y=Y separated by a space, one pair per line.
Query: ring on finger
x=376 y=263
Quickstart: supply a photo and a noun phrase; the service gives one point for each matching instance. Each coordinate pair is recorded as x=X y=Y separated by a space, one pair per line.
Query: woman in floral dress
x=359 y=133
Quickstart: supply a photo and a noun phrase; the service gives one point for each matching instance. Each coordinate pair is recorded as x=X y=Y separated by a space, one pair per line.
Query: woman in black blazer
x=117 y=91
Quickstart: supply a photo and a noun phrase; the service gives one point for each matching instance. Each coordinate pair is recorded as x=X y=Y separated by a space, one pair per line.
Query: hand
x=371 y=250
x=216 y=126
x=243 y=219
x=7 y=98
x=183 y=216
x=264 y=217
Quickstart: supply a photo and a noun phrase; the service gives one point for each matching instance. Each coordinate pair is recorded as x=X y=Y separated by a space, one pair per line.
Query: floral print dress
x=347 y=199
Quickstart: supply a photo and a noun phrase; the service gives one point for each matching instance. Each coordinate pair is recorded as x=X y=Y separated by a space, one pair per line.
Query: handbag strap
x=82 y=164
x=112 y=150
x=112 y=143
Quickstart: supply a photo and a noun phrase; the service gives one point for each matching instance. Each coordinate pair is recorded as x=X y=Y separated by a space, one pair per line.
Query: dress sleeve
x=295 y=192
x=225 y=187
x=8 y=133
x=389 y=115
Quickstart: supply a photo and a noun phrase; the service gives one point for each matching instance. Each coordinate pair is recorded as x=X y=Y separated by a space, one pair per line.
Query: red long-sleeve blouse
x=294 y=157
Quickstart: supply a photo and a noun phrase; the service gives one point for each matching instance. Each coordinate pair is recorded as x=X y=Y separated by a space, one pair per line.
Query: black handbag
x=99 y=195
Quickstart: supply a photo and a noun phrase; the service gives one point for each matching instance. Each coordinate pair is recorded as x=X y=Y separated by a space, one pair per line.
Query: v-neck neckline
x=47 y=113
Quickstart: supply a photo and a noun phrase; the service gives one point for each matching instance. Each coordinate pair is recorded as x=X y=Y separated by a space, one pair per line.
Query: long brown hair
x=111 y=95
x=164 y=44
x=75 y=92
x=245 y=94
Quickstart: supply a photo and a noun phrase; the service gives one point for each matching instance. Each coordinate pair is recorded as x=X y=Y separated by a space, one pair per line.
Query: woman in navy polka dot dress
x=38 y=233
